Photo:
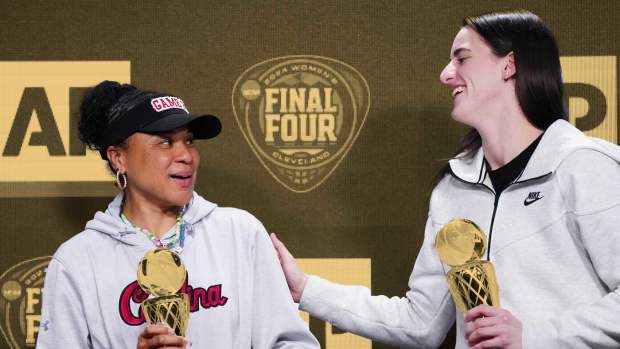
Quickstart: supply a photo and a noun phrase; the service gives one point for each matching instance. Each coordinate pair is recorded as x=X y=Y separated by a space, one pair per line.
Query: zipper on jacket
x=495 y=202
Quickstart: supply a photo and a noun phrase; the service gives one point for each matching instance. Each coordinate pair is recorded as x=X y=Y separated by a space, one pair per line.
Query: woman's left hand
x=491 y=327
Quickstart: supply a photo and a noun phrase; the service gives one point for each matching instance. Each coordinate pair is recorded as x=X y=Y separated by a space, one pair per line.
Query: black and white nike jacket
x=554 y=239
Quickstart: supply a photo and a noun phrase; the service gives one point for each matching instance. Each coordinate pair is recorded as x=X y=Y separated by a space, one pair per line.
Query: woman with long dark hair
x=546 y=195
x=237 y=293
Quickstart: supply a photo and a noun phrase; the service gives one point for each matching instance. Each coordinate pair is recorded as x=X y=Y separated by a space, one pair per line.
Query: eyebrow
x=459 y=50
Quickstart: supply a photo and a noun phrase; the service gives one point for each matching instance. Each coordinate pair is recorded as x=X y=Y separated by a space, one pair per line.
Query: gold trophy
x=460 y=244
x=162 y=274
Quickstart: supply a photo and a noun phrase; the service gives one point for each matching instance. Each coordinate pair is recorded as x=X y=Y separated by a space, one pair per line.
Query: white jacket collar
x=558 y=141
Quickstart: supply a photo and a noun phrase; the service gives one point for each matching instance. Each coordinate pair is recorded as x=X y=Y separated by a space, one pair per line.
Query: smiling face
x=475 y=76
x=160 y=168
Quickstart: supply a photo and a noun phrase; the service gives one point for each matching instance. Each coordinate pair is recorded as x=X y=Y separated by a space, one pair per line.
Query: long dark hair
x=538 y=84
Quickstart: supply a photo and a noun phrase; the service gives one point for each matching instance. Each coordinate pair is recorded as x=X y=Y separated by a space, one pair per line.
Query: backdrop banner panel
x=334 y=122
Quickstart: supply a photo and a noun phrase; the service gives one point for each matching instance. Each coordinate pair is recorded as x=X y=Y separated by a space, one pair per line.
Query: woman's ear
x=510 y=70
x=117 y=158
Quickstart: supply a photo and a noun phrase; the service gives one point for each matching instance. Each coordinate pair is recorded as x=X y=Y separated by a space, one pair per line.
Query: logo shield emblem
x=20 y=302
x=301 y=115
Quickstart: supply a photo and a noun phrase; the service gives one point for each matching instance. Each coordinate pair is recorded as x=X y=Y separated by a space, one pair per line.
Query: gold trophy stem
x=172 y=310
x=473 y=284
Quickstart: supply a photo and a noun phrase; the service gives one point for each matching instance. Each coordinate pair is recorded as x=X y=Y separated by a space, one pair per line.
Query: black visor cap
x=146 y=118
x=202 y=126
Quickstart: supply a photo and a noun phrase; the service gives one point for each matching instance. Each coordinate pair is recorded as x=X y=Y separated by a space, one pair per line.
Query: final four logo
x=20 y=302
x=301 y=115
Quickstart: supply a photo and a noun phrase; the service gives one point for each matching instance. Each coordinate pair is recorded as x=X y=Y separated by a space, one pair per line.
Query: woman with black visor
x=237 y=293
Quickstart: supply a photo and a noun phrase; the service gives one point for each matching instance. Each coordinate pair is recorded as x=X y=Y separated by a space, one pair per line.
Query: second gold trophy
x=162 y=274
x=461 y=245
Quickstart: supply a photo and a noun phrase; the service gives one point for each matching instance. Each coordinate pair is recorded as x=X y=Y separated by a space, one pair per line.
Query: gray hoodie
x=554 y=242
x=238 y=294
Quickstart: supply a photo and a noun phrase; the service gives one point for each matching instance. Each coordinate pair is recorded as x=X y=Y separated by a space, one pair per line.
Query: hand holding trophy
x=460 y=244
x=162 y=274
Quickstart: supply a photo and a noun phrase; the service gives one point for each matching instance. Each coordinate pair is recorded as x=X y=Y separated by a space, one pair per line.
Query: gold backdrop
x=342 y=173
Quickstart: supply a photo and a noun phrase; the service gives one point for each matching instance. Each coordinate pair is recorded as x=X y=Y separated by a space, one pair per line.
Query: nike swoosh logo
x=527 y=202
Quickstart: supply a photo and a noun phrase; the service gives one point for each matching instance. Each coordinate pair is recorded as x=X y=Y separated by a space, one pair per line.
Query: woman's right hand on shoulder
x=160 y=336
x=295 y=278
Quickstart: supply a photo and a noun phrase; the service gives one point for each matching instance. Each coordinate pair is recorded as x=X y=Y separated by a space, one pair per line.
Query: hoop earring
x=120 y=175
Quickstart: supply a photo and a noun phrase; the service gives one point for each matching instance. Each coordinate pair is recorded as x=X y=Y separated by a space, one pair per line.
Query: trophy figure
x=460 y=244
x=162 y=274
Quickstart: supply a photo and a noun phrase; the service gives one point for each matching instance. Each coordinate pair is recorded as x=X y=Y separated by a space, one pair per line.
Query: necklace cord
x=176 y=243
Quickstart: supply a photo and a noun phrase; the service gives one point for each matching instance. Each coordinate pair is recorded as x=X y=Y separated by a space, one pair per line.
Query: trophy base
x=172 y=310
